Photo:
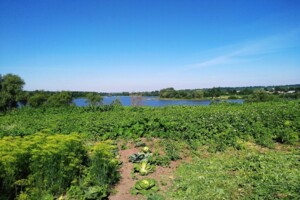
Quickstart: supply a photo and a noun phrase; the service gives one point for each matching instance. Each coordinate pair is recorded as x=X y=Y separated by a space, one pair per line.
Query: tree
x=60 y=99
x=167 y=93
x=260 y=96
x=94 y=99
x=199 y=94
x=116 y=102
x=0 y=82
x=246 y=91
x=11 y=87
x=214 y=92
x=38 y=99
x=22 y=98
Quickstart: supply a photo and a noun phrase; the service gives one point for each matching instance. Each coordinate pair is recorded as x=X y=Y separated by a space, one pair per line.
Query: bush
x=39 y=163
x=44 y=166
x=99 y=175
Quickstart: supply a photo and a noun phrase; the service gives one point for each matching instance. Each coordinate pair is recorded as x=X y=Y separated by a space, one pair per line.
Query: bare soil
x=163 y=175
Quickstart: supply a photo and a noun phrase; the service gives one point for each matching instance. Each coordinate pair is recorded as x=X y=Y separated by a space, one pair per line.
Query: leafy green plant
x=144 y=168
x=145 y=187
x=156 y=197
x=222 y=124
x=139 y=143
x=160 y=160
x=124 y=147
x=95 y=192
x=133 y=175
x=172 y=149
x=139 y=157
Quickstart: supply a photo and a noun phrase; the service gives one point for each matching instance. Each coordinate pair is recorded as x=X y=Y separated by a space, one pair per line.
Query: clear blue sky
x=143 y=45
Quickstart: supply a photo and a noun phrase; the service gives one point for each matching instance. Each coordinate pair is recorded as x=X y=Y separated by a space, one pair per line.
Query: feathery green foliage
x=43 y=165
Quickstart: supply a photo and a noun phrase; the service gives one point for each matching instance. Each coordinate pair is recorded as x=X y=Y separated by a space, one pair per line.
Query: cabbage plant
x=145 y=186
x=146 y=150
x=139 y=157
x=144 y=168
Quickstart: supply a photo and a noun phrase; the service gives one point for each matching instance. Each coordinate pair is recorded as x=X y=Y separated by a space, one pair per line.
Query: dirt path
x=164 y=176
x=126 y=182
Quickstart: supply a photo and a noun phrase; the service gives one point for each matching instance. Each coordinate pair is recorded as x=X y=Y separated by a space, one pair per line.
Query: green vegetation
x=252 y=173
x=252 y=94
x=10 y=91
x=42 y=166
x=12 y=95
x=94 y=99
x=145 y=187
x=139 y=157
x=144 y=168
x=53 y=150
x=38 y=99
x=219 y=126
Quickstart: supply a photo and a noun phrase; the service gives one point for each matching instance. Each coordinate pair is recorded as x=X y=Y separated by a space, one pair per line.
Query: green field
x=248 y=151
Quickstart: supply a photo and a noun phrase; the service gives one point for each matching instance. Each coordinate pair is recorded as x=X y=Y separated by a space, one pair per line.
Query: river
x=151 y=101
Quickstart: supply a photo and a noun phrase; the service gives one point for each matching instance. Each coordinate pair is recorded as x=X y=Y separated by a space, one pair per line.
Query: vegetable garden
x=72 y=153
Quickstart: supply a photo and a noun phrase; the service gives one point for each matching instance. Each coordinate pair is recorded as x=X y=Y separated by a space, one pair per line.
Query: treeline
x=269 y=93
x=12 y=95
x=201 y=93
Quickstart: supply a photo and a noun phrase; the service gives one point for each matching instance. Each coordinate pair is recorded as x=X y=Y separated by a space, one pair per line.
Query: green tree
x=199 y=94
x=22 y=98
x=214 y=92
x=167 y=93
x=38 y=99
x=94 y=99
x=246 y=91
x=116 y=102
x=0 y=82
x=10 y=90
x=260 y=96
x=60 y=99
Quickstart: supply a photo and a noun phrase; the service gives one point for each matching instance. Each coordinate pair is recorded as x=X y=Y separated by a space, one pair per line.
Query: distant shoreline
x=198 y=99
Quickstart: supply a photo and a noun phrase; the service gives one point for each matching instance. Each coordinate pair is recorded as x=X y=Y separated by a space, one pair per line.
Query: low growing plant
x=145 y=187
x=144 y=168
x=139 y=157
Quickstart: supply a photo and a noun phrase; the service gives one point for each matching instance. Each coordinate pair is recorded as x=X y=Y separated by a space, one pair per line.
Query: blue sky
x=144 y=45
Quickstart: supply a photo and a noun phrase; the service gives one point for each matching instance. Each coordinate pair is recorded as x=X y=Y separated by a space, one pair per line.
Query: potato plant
x=220 y=126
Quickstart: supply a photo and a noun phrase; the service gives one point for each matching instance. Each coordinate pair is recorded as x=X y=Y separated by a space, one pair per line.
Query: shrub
x=44 y=166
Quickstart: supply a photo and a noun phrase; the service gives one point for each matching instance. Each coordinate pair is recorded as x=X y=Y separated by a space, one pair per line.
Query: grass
x=252 y=173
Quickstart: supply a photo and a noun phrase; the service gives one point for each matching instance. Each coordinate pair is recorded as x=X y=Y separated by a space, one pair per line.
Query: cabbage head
x=144 y=168
x=146 y=150
x=145 y=186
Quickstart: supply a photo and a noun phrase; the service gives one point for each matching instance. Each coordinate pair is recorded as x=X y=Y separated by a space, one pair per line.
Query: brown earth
x=163 y=175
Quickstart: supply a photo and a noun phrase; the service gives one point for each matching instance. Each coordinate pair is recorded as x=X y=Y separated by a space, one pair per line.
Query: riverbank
x=204 y=99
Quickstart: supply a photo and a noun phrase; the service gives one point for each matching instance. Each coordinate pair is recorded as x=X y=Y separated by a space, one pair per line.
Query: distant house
x=291 y=91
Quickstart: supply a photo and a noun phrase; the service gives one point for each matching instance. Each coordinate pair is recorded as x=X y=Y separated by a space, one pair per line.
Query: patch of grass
x=244 y=174
x=124 y=147
x=172 y=149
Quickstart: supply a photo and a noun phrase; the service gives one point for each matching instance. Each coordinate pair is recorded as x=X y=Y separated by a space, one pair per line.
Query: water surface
x=151 y=101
